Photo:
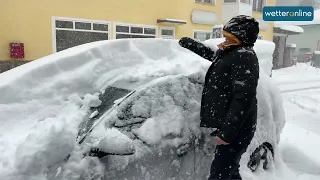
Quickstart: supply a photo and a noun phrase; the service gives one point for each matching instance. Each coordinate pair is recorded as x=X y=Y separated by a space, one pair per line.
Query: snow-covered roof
x=315 y=21
x=317 y=52
x=218 y=26
x=289 y=27
x=292 y=45
x=171 y=21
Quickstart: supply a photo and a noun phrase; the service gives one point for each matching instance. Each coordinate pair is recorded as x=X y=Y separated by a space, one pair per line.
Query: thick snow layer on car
x=58 y=88
x=169 y=110
x=169 y=107
x=264 y=50
x=271 y=117
x=45 y=100
x=113 y=141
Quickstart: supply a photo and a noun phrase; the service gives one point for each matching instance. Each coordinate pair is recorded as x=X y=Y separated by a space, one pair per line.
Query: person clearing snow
x=229 y=102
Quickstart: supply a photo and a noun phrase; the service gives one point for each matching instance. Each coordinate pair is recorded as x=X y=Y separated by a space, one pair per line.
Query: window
x=305 y=49
x=217 y=32
x=260 y=37
x=167 y=33
x=230 y=1
x=73 y=32
x=202 y=35
x=206 y=1
x=257 y=5
x=245 y=1
x=124 y=31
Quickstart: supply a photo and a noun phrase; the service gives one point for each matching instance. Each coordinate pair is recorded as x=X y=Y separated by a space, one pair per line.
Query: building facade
x=44 y=27
x=309 y=41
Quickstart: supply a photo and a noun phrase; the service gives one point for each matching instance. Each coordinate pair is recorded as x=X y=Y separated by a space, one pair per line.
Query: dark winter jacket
x=229 y=96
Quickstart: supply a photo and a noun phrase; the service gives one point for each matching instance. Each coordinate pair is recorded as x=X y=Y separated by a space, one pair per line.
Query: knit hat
x=245 y=28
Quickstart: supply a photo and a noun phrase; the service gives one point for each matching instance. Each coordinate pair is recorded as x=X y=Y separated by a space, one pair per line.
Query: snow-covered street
x=300 y=139
x=300 y=88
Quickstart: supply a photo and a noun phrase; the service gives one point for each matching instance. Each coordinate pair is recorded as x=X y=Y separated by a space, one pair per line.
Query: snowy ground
x=300 y=140
x=30 y=138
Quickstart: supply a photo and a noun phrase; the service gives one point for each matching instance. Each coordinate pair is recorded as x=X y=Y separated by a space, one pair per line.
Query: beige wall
x=30 y=22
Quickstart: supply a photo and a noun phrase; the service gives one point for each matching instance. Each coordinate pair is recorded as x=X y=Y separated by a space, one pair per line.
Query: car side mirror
x=113 y=143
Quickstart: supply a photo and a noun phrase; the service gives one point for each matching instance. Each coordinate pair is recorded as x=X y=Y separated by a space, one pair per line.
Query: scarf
x=232 y=40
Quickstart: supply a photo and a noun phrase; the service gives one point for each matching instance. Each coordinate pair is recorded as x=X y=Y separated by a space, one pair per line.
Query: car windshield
x=107 y=98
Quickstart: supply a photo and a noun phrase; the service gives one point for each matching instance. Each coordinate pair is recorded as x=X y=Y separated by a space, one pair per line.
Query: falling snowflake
x=240 y=83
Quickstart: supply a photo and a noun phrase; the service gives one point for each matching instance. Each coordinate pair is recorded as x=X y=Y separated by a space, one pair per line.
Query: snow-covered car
x=140 y=103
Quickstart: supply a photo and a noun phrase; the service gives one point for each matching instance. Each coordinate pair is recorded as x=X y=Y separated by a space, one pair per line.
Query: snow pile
x=113 y=142
x=264 y=50
x=63 y=73
x=91 y=100
x=78 y=167
x=168 y=108
x=51 y=140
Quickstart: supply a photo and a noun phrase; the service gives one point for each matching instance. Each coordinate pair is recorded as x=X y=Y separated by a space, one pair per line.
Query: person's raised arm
x=198 y=48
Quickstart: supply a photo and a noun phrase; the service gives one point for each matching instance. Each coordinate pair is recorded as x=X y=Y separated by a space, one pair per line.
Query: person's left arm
x=244 y=75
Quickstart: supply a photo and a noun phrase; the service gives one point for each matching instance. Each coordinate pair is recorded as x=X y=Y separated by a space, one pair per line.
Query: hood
x=245 y=28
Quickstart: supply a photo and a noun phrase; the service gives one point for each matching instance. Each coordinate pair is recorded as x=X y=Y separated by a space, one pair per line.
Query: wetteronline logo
x=288 y=13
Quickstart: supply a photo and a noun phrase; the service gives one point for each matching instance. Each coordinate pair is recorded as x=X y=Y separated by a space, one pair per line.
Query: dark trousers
x=227 y=157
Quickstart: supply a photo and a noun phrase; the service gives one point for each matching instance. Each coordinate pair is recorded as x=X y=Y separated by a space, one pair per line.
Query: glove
x=185 y=42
